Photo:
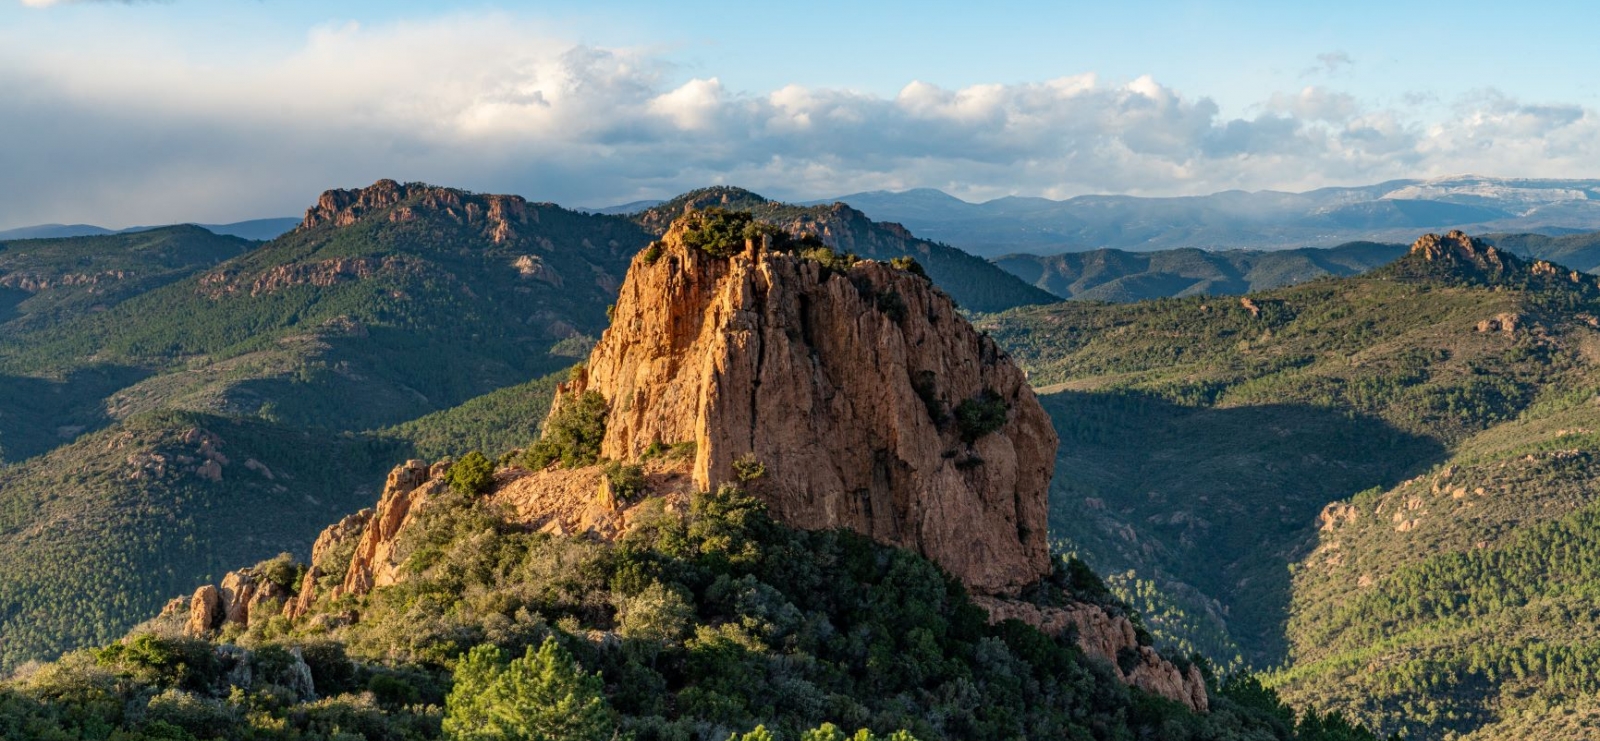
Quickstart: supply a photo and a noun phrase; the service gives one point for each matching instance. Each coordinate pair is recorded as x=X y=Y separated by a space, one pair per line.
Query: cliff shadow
x=38 y=414
x=1222 y=500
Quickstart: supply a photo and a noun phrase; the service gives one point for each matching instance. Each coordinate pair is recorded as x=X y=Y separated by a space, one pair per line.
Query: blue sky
x=209 y=110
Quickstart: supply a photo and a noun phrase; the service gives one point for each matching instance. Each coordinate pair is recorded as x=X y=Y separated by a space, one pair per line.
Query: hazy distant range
x=258 y=229
x=1395 y=211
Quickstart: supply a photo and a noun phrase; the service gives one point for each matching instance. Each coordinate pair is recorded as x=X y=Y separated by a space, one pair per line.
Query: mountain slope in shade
x=974 y=283
x=1385 y=212
x=95 y=534
x=1382 y=480
x=1117 y=275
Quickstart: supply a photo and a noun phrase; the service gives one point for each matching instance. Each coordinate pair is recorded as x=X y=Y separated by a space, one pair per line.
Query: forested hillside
x=1250 y=416
x=705 y=623
x=1118 y=275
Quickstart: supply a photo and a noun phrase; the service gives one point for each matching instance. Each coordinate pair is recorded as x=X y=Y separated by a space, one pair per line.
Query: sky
x=124 y=113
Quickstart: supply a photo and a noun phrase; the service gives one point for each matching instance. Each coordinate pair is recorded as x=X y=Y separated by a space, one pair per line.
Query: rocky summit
x=844 y=394
x=849 y=388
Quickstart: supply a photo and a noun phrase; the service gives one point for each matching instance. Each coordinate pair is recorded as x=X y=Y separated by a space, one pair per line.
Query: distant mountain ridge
x=1388 y=211
x=1120 y=275
x=260 y=230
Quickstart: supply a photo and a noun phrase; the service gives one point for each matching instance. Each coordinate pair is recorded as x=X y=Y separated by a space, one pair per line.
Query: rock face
x=330 y=543
x=498 y=215
x=1456 y=246
x=1110 y=638
x=205 y=611
x=845 y=386
x=1478 y=261
x=868 y=401
x=373 y=563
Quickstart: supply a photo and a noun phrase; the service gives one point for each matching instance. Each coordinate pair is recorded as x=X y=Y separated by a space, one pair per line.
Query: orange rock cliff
x=852 y=387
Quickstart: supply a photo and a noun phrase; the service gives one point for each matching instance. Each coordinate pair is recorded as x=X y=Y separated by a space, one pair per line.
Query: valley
x=1232 y=465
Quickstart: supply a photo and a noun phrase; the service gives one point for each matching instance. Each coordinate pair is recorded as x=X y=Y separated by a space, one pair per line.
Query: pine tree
x=543 y=696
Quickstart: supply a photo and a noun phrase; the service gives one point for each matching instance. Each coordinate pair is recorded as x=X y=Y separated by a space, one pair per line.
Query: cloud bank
x=494 y=103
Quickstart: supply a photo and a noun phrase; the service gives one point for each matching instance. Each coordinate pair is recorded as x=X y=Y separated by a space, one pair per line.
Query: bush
x=717 y=231
x=282 y=571
x=893 y=305
x=651 y=254
x=910 y=265
x=981 y=415
x=573 y=434
x=748 y=468
x=626 y=480
x=473 y=474
x=829 y=259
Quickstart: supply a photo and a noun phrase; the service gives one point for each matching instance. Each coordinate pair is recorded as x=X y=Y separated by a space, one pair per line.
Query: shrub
x=651 y=254
x=717 y=231
x=282 y=571
x=893 y=305
x=626 y=480
x=981 y=415
x=829 y=259
x=748 y=468
x=473 y=474
x=910 y=265
x=674 y=452
x=573 y=434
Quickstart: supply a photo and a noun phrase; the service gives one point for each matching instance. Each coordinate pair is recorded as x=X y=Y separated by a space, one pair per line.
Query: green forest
x=1441 y=610
x=712 y=623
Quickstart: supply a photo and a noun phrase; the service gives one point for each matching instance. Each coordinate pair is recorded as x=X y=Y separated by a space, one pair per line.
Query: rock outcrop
x=242 y=595
x=498 y=215
x=867 y=400
x=205 y=611
x=1476 y=261
x=848 y=386
x=1456 y=246
x=373 y=564
x=1110 y=638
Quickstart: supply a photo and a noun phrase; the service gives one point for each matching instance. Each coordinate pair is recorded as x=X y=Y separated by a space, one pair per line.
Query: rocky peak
x=1459 y=257
x=870 y=402
x=498 y=215
x=1457 y=247
x=659 y=218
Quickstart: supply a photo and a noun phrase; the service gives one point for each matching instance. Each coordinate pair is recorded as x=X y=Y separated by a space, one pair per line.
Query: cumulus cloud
x=498 y=104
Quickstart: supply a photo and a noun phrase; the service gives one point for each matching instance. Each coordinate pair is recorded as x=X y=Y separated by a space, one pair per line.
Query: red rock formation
x=373 y=563
x=842 y=384
x=205 y=611
x=498 y=215
x=329 y=542
x=1112 y=639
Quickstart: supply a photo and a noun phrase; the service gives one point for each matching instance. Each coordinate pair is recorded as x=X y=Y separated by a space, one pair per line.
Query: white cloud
x=496 y=103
